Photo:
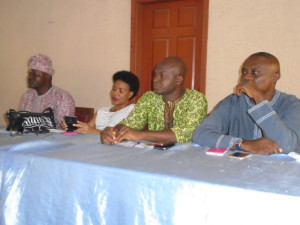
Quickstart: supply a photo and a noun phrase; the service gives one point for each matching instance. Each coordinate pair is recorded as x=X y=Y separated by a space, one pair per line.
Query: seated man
x=258 y=118
x=43 y=94
x=170 y=112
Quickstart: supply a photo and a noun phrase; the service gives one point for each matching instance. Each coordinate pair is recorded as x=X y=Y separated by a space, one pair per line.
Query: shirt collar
x=43 y=95
x=273 y=101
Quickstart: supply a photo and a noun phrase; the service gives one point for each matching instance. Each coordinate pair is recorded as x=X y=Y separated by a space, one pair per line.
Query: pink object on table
x=69 y=133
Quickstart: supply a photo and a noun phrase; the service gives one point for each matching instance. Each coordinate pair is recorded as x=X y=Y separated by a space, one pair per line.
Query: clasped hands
x=114 y=135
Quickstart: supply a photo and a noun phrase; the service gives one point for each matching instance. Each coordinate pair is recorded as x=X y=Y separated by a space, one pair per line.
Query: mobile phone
x=217 y=151
x=163 y=146
x=70 y=120
x=239 y=155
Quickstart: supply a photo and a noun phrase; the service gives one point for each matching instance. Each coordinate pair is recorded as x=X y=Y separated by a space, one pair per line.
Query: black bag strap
x=48 y=110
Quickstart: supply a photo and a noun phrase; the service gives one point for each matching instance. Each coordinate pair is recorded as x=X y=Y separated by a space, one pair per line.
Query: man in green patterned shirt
x=170 y=112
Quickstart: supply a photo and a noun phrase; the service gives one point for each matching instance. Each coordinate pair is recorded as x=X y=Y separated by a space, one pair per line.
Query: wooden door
x=162 y=28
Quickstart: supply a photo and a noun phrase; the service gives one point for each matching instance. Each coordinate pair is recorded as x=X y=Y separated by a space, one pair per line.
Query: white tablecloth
x=57 y=179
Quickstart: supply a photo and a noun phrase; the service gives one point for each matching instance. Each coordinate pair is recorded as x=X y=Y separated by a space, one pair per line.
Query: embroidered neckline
x=169 y=111
x=272 y=102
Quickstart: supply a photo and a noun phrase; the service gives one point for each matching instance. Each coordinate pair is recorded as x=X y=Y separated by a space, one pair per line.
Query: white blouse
x=105 y=118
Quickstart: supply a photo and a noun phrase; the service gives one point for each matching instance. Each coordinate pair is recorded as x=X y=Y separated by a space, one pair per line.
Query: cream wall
x=239 y=28
x=87 y=40
x=90 y=40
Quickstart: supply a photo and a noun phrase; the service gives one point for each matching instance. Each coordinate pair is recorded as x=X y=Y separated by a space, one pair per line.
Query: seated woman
x=125 y=87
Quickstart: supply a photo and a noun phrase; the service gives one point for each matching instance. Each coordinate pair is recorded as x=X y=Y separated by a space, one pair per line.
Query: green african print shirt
x=189 y=113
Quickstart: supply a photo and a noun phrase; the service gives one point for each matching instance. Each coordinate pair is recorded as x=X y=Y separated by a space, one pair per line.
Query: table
x=57 y=179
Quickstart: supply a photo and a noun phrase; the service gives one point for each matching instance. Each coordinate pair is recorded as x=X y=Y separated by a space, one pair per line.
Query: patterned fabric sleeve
x=138 y=118
x=189 y=114
x=21 y=103
x=26 y=101
x=59 y=100
x=65 y=107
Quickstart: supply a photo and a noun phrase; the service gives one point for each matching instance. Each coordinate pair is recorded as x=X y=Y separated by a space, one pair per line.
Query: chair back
x=84 y=114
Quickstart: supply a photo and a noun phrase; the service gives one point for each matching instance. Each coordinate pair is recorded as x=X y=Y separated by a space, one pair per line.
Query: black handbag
x=24 y=121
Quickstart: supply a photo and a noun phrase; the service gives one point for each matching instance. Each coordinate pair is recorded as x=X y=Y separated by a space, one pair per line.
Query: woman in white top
x=125 y=87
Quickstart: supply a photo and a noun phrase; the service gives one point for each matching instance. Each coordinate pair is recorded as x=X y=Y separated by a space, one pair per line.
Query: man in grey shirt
x=257 y=118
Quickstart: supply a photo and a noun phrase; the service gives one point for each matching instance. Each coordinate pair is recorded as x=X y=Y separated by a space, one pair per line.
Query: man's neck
x=270 y=96
x=43 y=90
x=263 y=96
x=177 y=94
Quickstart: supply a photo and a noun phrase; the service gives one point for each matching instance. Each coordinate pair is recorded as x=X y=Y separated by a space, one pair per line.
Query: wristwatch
x=238 y=144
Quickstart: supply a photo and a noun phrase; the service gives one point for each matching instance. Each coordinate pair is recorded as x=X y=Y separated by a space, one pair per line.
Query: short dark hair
x=130 y=78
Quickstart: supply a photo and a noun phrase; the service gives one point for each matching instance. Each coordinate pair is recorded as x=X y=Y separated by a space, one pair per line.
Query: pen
x=137 y=143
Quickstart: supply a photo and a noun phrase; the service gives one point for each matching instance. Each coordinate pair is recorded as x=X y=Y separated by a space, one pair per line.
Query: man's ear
x=276 y=77
x=179 y=79
x=49 y=77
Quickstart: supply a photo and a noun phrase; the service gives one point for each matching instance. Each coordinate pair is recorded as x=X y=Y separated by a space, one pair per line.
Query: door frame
x=136 y=37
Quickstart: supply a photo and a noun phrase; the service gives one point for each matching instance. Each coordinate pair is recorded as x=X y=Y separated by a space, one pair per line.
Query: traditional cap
x=42 y=63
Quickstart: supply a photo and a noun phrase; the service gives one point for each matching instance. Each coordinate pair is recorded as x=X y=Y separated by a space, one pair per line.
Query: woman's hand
x=85 y=128
x=63 y=125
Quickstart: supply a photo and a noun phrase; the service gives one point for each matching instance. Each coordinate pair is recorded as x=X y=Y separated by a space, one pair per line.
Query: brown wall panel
x=186 y=50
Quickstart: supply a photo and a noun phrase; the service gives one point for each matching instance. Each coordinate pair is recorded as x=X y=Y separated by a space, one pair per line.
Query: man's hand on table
x=127 y=133
x=264 y=146
x=114 y=135
x=108 y=136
